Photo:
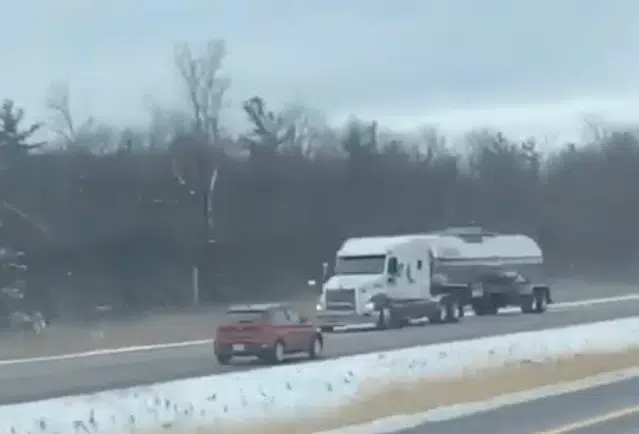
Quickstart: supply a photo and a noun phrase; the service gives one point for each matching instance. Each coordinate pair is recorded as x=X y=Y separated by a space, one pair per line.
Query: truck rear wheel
x=452 y=311
x=448 y=311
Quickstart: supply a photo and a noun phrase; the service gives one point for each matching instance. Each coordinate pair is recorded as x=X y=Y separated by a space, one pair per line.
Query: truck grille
x=340 y=299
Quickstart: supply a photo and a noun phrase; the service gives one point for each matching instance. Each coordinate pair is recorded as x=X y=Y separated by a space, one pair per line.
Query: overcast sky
x=530 y=66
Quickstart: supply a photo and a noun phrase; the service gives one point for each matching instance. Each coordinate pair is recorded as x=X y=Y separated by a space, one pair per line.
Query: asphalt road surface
x=47 y=379
x=608 y=409
x=571 y=289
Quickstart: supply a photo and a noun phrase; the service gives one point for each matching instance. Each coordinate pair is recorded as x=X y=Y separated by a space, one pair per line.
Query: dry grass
x=425 y=395
x=158 y=329
x=152 y=330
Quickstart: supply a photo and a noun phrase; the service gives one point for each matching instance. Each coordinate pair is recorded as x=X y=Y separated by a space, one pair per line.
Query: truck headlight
x=369 y=306
x=319 y=307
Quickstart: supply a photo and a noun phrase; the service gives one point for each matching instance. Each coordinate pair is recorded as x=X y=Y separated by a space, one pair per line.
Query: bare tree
x=270 y=129
x=360 y=140
x=164 y=125
x=310 y=136
x=62 y=120
x=596 y=129
x=205 y=85
x=193 y=163
x=194 y=166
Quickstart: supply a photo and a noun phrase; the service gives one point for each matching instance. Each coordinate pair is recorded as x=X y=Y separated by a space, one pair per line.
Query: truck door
x=425 y=276
x=431 y=264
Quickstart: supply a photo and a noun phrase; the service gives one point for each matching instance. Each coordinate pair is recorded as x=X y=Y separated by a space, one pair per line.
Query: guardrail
x=293 y=391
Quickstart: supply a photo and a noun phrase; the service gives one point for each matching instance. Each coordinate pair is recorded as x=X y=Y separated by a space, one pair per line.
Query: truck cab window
x=419 y=264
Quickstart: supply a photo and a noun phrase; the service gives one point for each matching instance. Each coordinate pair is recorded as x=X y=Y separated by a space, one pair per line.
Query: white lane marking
x=591 y=301
x=143 y=348
x=106 y=352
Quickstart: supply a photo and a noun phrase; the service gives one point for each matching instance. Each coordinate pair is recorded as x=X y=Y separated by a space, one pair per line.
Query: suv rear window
x=245 y=317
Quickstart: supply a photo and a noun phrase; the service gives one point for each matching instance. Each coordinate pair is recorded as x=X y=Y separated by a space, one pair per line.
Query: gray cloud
x=410 y=57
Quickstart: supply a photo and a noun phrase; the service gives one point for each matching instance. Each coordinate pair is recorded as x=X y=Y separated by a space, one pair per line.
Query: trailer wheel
x=477 y=307
x=439 y=315
x=452 y=310
x=539 y=300
x=527 y=303
x=462 y=310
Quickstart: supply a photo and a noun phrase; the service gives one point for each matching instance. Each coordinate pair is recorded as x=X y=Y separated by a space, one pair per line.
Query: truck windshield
x=360 y=264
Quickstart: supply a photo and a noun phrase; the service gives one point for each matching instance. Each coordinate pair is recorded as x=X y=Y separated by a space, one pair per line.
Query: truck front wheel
x=384 y=318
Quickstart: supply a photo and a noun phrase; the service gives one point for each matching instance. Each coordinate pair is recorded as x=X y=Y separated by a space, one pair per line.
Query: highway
x=47 y=379
x=608 y=409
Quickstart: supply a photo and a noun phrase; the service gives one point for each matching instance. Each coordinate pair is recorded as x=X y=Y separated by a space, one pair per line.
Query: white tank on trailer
x=489 y=270
x=503 y=248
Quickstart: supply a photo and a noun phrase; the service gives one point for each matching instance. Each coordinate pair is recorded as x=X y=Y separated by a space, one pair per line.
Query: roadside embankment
x=308 y=397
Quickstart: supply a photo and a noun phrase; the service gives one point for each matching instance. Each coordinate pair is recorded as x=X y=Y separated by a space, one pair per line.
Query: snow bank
x=291 y=391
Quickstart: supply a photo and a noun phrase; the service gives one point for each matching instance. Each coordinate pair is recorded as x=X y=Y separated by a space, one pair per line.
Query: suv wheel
x=277 y=353
x=223 y=359
x=316 y=348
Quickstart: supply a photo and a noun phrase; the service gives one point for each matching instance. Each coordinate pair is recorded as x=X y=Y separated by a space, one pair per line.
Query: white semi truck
x=390 y=281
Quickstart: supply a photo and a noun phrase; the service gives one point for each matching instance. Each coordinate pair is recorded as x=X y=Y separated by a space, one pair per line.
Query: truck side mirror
x=392 y=266
x=313 y=284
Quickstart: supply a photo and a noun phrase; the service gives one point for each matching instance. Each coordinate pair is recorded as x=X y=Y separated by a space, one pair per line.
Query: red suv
x=267 y=331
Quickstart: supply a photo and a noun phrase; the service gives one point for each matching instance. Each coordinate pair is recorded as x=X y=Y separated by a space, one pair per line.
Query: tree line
x=123 y=217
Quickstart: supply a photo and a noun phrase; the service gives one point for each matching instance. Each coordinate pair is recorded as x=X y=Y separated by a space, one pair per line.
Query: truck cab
x=375 y=278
